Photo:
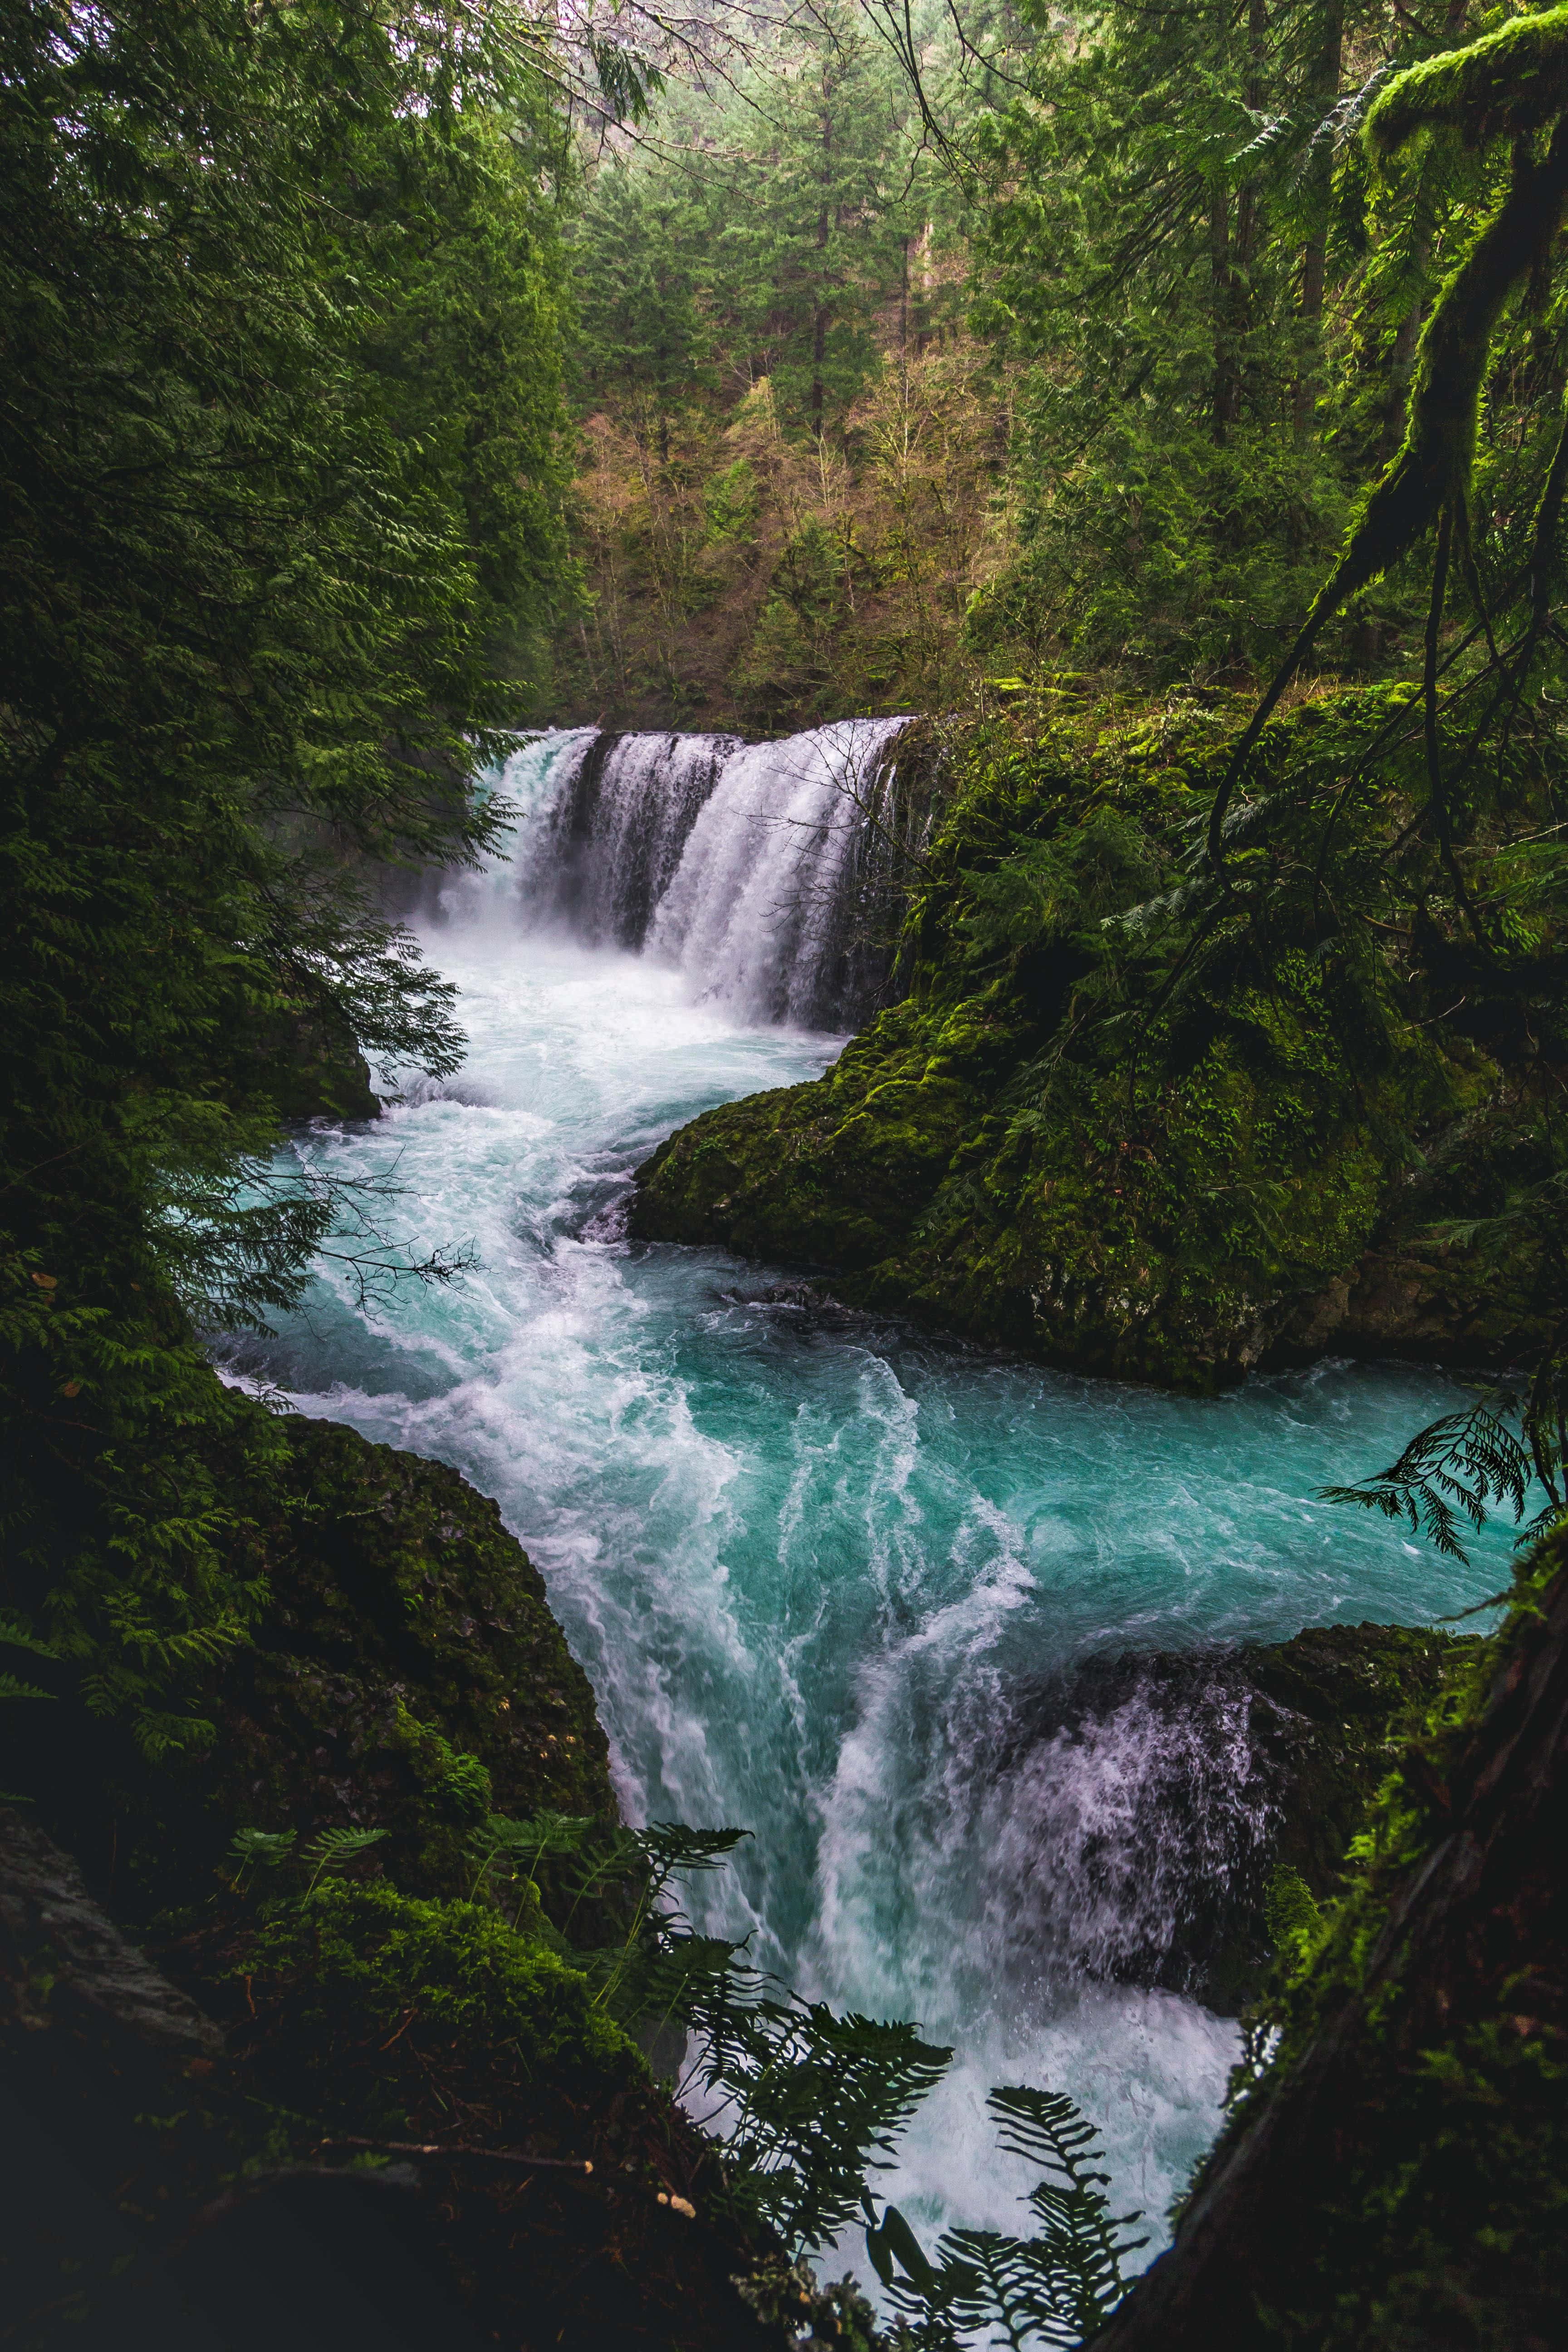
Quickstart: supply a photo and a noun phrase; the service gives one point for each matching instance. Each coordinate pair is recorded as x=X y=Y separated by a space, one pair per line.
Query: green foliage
x=806 y=2102
x=279 y=474
x=1292 y=1916
x=1057 y=2287
x=336 y=1977
x=514 y=1849
x=1430 y=2188
x=787 y=467
x=1468 y=1462
x=809 y=2102
x=329 y=1852
x=13 y=1635
x=1217 y=288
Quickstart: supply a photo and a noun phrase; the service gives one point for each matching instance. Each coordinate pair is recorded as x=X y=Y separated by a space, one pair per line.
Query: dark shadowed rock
x=1145 y=1803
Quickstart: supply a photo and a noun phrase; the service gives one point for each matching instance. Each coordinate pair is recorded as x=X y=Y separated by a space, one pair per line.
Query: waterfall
x=762 y=871
x=1130 y=1835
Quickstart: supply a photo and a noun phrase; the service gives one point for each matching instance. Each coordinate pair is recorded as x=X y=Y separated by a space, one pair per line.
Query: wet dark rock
x=308 y=1064
x=406 y=1675
x=1145 y=1804
x=110 y=2104
x=65 y=1965
x=1397 y=2177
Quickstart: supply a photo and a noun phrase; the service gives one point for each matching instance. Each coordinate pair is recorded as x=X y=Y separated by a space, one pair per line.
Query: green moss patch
x=1035 y=1149
x=418 y=2019
x=406 y=1675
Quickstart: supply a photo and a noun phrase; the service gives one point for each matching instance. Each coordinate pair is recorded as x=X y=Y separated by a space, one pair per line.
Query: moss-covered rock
x=1232 y=1764
x=390 y=2013
x=406 y=1675
x=404 y=1672
x=1015 y=1155
x=1338 y=1702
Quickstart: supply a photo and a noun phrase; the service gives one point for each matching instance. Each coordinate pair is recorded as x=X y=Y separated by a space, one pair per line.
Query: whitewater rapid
x=810 y=1559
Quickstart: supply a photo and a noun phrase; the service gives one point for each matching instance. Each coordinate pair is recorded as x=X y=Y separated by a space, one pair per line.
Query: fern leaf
x=11 y=1686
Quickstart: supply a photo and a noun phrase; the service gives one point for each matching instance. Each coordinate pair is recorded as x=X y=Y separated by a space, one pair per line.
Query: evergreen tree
x=279 y=480
x=1219 y=302
x=815 y=238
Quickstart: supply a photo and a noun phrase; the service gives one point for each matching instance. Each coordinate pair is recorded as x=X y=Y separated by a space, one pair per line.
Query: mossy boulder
x=303 y=1059
x=406 y=1674
x=918 y=1175
x=390 y=2013
x=1036 y=1150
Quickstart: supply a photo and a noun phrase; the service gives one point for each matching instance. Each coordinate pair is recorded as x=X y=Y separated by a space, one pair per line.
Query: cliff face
x=1264 y=1181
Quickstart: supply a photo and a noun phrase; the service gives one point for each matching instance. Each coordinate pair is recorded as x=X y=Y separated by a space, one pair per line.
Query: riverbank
x=1042 y=1147
x=314 y=1963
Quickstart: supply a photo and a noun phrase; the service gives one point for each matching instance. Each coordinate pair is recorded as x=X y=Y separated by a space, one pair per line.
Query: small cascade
x=759 y=870
x=1132 y=1837
x=614 y=838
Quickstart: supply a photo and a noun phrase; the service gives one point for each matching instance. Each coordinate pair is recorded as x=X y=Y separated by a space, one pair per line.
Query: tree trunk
x=820 y=308
x=1225 y=389
x=1231 y=259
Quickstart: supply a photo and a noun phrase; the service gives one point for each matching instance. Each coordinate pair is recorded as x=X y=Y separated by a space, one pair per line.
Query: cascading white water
x=750 y=868
x=1115 y=1834
x=815 y=1565
x=611 y=843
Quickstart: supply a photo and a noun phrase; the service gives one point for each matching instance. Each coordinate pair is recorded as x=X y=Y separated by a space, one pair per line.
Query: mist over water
x=811 y=1560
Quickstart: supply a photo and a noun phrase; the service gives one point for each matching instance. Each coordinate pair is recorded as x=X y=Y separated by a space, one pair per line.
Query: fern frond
x=1055 y=2289
x=15 y=1635
x=266 y=1846
x=1460 y=1465
x=11 y=1686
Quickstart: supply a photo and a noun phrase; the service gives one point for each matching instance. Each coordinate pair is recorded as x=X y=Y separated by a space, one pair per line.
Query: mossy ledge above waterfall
x=1040 y=1148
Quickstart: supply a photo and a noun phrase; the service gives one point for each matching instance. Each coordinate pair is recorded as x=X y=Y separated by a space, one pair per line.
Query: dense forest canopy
x=282 y=479
x=1090 y=354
